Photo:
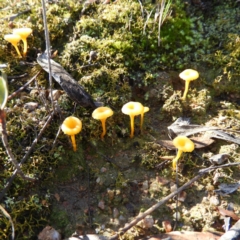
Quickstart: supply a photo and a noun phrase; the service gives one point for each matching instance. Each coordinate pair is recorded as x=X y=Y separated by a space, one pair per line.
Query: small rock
x=88 y=237
x=110 y=194
x=49 y=233
x=218 y=159
x=173 y=187
x=214 y=200
x=147 y=222
x=115 y=213
x=31 y=106
x=122 y=218
x=177 y=215
x=55 y=94
x=101 y=205
x=145 y=185
x=103 y=169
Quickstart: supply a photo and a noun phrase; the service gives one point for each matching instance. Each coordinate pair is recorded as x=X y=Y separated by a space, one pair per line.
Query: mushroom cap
x=189 y=75
x=102 y=113
x=183 y=143
x=12 y=38
x=132 y=108
x=145 y=109
x=22 y=32
x=71 y=125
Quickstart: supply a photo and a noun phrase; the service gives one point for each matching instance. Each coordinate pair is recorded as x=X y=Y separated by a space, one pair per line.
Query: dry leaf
x=57 y=196
x=163 y=181
x=182 y=196
x=199 y=142
x=167 y=226
x=225 y=212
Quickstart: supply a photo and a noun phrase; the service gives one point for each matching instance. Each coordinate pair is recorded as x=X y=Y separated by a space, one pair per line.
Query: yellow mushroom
x=23 y=33
x=14 y=40
x=183 y=144
x=132 y=109
x=72 y=126
x=102 y=113
x=145 y=109
x=188 y=75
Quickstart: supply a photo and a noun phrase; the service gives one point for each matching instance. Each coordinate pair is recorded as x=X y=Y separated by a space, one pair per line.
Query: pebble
x=145 y=185
x=147 y=222
x=101 y=205
x=214 y=200
x=115 y=213
x=30 y=106
x=177 y=216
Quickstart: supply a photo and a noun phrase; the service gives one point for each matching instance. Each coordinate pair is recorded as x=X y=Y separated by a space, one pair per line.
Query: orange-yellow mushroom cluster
x=17 y=35
x=72 y=125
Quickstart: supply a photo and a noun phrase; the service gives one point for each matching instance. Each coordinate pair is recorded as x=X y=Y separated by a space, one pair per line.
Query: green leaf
x=3 y=90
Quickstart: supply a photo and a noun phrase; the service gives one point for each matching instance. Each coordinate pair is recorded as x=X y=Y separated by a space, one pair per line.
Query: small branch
x=17 y=77
x=10 y=181
x=140 y=3
x=48 y=47
x=164 y=200
x=23 y=87
x=8 y=150
x=6 y=214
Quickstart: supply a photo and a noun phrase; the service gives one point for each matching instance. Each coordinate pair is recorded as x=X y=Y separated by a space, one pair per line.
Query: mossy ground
x=106 y=183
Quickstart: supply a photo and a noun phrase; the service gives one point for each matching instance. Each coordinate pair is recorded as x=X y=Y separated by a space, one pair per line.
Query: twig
x=6 y=214
x=48 y=46
x=140 y=3
x=17 y=77
x=10 y=181
x=164 y=200
x=148 y=17
x=23 y=87
x=8 y=150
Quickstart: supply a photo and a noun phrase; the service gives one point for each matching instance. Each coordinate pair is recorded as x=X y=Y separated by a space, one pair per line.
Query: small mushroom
x=102 y=113
x=14 y=40
x=188 y=75
x=132 y=109
x=183 y=144
x=145 y=109
x=23 y=33
x=72 y=126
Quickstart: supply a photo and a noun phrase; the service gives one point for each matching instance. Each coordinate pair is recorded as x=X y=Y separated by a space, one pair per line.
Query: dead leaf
x=57 y=196
x=167 y=226
x=199 y=142
x=163 y=181
x=225 y=212
x=182 y=196
x=227 y=188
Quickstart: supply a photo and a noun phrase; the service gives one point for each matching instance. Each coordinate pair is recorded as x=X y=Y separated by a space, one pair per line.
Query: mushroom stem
x=74 y=143
x=132 y=125
x=141 y=123
x=174 y=161
x=18 y=52
x=186 y=90
x=24 y=46
x=103 y=127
